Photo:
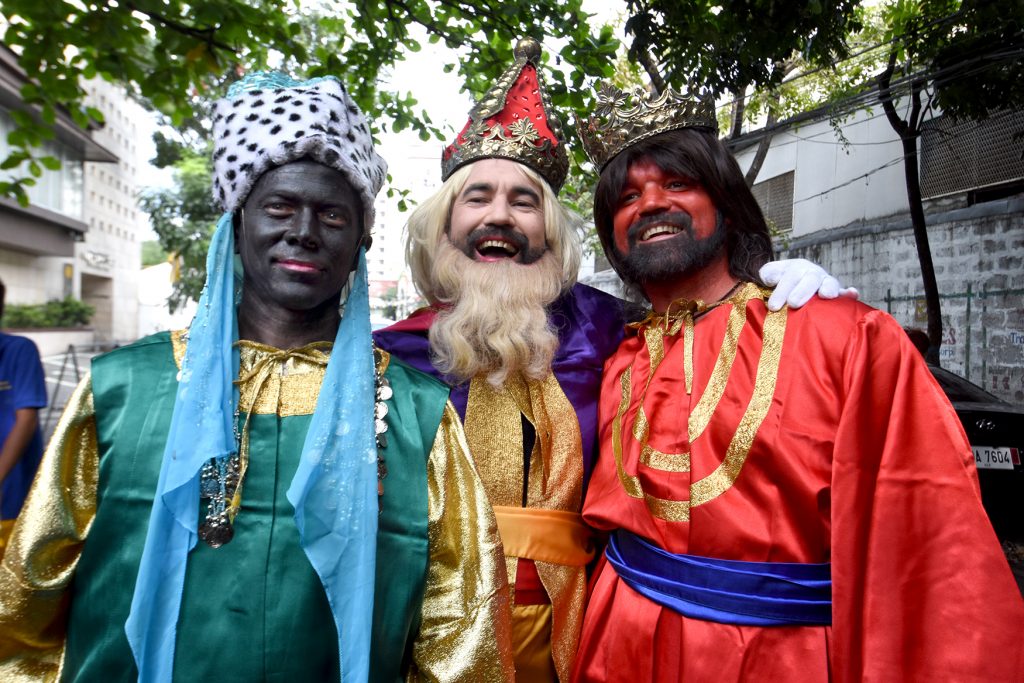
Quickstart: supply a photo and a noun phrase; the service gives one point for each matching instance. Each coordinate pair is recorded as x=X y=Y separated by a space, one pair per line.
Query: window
x=775 y=197
x=970 y=155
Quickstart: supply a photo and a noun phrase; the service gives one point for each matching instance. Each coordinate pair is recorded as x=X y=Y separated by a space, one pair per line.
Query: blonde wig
x=494 y=321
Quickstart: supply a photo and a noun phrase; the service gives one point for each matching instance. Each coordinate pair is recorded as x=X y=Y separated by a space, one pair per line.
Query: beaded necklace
x=220 y=481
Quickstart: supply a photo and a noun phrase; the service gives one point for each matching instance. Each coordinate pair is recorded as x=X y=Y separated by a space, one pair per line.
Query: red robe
x=858 y=459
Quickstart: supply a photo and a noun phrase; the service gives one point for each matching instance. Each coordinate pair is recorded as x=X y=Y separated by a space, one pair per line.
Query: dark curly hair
x=697 y=154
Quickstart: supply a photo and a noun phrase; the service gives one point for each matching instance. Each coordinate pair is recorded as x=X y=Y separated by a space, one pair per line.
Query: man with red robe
x=789 y=495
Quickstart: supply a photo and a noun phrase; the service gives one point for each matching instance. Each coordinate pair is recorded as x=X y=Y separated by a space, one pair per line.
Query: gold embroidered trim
x=495 y=434
x=668 y=510
x=719 y=481
x=629 y=483
x=293 y=389
x=669 y=462
x=652 y=457
x=701 y=414
x=725 y=475
x=688 y=354
x=680 y=315
x=278 y=381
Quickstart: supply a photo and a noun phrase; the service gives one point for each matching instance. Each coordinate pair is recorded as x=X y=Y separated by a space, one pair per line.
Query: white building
x=414 y=166
x=80 y=235
x=39 y=242
x=109 y=260
x=844 y=205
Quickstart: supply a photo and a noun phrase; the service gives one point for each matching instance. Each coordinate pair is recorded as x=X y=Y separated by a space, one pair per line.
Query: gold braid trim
x=680 y=316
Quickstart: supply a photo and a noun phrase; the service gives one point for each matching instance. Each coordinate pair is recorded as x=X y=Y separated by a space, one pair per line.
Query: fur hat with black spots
x=269 y=119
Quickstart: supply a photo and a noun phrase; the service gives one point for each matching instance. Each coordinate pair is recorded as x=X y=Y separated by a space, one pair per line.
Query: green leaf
x=12 y=161
x=21 y=118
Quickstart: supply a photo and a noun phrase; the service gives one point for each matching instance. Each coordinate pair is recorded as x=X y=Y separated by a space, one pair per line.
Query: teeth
x=658 y=230
x=500 y=244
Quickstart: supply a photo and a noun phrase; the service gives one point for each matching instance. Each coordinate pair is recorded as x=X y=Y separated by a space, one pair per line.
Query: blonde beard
x=497 y=324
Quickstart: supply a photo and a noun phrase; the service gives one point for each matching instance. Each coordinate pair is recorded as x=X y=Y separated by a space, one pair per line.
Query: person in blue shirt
x=22 y=394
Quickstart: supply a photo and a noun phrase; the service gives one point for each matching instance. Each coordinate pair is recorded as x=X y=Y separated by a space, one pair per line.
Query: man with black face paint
x=264 y=496
x=497 y=256
x=788 y=493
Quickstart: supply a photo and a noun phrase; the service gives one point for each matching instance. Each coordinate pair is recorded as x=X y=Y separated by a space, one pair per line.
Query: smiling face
x=298 y=238
x=664 y=225
x=498 y=214
x=655 y=205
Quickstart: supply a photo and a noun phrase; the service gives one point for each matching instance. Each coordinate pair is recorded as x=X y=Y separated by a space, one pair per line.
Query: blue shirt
x=22 y=385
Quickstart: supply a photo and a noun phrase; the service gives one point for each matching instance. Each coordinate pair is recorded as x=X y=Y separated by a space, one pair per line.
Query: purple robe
x=590 y=326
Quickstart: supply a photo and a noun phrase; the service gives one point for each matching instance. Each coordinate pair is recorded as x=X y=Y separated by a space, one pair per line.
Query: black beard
x=670 y=259
x=525 y=255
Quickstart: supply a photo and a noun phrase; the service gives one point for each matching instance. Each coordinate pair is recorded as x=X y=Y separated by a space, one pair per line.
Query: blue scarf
x=334 y=490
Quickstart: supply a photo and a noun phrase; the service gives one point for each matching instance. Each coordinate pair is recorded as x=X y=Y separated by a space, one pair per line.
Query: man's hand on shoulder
x=797 y=280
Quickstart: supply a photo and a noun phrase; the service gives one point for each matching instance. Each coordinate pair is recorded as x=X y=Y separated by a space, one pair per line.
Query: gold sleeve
x=45 y=546
x=465 y=632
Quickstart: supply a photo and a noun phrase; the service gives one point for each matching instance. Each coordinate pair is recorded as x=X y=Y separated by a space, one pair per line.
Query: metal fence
x=982 y=338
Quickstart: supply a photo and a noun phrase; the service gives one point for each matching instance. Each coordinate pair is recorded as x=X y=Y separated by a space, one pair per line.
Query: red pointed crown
x=514 y=120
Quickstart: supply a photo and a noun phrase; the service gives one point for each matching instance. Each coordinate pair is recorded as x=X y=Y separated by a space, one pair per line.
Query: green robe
x=253 y=609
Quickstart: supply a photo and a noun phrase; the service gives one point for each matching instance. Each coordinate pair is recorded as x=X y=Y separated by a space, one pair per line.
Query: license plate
x=987 y=458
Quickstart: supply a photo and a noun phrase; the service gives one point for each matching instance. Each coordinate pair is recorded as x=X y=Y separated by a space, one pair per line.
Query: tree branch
x=885 y=96
x=204 y=34
x=739 y=108
x=650 y=66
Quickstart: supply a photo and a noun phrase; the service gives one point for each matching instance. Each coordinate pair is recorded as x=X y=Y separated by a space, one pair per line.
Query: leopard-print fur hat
x=268 y=120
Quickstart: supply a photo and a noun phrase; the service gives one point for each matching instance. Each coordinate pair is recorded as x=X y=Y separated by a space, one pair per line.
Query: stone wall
x=978 y=253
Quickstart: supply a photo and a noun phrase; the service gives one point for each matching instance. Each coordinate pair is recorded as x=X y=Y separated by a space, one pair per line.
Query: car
x=995 y=430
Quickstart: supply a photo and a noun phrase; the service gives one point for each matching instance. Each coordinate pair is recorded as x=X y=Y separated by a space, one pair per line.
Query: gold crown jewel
x=622 y=119
x=514 y=120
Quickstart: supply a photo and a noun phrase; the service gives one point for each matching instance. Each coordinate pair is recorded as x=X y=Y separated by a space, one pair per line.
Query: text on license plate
x=988 y=458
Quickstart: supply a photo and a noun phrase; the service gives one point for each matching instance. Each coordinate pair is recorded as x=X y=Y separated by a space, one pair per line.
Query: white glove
x=797 y=280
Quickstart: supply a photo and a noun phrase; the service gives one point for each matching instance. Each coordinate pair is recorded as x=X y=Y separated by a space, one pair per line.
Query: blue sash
x=725 y=591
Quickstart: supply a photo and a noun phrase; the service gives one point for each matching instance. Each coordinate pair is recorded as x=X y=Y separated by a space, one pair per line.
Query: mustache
x=677 y=219
x=526 y=255
x=493 y=232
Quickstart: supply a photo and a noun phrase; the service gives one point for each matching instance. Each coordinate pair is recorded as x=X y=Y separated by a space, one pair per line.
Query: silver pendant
x=216 y=534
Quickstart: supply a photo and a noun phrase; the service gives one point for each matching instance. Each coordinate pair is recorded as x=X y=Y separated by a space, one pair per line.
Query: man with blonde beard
x=497 y=256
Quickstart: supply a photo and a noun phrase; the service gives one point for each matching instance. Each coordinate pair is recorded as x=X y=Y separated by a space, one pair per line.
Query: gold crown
x=619 y=123
x=497 y=128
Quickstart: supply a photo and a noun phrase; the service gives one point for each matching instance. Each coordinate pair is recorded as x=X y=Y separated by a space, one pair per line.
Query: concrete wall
x=978 y=254
x=21 y=275
x=52 y=342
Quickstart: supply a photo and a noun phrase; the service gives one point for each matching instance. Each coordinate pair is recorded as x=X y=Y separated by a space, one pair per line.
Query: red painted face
x=650 y=192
